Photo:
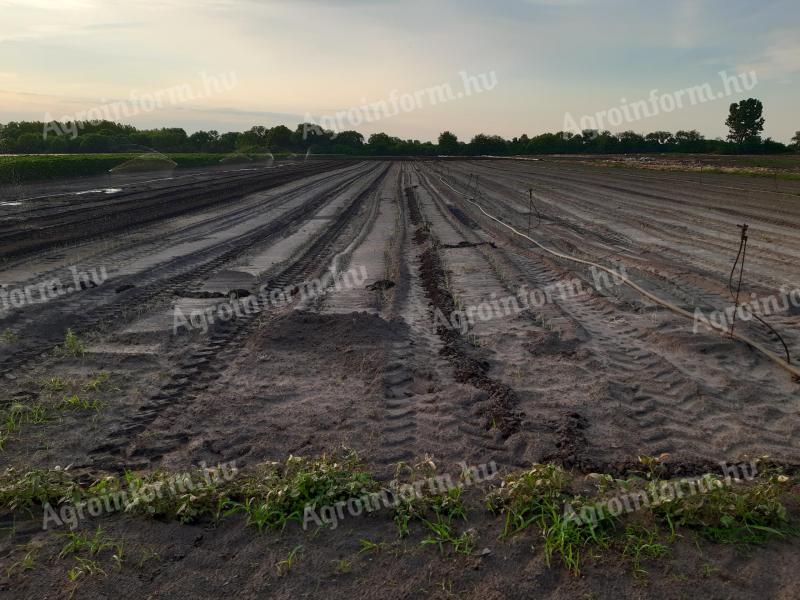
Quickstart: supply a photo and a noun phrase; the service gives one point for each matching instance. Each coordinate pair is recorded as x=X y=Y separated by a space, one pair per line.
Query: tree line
x=745 y=123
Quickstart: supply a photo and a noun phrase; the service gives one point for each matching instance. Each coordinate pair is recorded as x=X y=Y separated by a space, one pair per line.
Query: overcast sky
x=288 y=58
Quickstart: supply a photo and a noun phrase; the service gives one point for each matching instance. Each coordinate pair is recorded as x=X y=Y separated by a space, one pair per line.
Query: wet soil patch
x=302 y=331
x=465 y=244
x=381 y=284
x=462 y=216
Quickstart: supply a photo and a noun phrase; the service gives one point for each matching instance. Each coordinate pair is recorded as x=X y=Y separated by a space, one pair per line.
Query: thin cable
x=625 y=280
x=741 y=253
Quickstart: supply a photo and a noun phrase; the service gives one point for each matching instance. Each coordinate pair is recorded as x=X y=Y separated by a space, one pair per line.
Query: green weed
x=733 y=514
x=640 y=542
x=277 y=493
x=72 y=346
x=24 y=491
x=76 y=402
x=285 y=565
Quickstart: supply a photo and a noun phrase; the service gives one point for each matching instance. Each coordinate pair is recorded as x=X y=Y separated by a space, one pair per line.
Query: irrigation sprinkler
x=741 y=254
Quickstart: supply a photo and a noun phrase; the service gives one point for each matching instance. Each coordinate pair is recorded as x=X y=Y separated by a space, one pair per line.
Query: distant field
x=784 y=166
x=42 y=167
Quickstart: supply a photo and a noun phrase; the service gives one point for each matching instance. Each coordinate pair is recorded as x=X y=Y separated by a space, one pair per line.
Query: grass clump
x=185 y=497
x=13 y=418
x=640 y=542
x=27 y=562
x=539 y=496
x=524 y=497
x=76 y=402
x=284 y=566
x=436 y=502
x=24 y=491
x=94 y=544
x=54 y=393
x=370 y=546
x=447 y=508
x=277 y=493
x=733 y=514
x=86 y=549
x=73 y=346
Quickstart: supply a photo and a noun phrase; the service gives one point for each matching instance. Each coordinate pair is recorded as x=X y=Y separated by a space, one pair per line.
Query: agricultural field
x=406 y=379
x=773 y=167
x=22 y=169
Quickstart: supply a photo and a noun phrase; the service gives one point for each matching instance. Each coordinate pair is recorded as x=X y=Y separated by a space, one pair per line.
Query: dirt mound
x=324 y=333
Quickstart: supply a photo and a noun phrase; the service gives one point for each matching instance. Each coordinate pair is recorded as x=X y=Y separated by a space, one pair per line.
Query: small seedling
x=343 y=566
x=284 y=566
x=95 y=544
x=26 y=564
x=146 y=555
x=55 y=385
x=75 y=402
x=72 y=346
x=84 y=567
x=98 y=383
x=369 y=546
x=640 y=543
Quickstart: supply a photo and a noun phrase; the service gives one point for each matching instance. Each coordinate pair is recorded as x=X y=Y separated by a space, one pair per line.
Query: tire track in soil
x=139 y=208
x=668 y=407
x=206 y=365
x=82 y=316
x=560 y=426
x=399 y=427
x=705 y=286
x=152 y=237
x=424 y=411
x=502 y=411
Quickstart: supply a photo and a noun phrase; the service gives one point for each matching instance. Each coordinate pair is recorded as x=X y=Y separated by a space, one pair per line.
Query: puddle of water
x=102 y=191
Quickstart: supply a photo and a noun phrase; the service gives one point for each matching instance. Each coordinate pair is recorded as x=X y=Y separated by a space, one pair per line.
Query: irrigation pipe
x=666 y=304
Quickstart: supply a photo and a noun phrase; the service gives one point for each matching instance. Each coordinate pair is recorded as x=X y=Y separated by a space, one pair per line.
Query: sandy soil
x=589 y=380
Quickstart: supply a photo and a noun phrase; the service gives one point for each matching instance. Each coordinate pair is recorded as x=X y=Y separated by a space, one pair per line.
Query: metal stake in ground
x=530 y=208
x=741 y=254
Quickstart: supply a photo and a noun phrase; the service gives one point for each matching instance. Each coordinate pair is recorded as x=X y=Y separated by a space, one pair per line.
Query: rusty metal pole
x=530 y=208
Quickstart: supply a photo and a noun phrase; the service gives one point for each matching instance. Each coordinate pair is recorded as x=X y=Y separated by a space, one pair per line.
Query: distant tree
x=279 y=138
x=252 y=138
x=203 y=141
x=29 y=143
x=307 y=135
x=660 y=138
x=382 y=144
x=448 y=143
x=745 y=121
x=689 y=141
x=630 y=141
x=796 y=141
x=487 y=144
x=348 y=141
x=94 y=142
x=770 y=146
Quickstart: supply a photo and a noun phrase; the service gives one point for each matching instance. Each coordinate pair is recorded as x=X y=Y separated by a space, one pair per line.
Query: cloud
x=780 y=59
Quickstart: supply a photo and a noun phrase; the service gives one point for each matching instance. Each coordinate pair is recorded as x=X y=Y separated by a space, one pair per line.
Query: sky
x=286 y=61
